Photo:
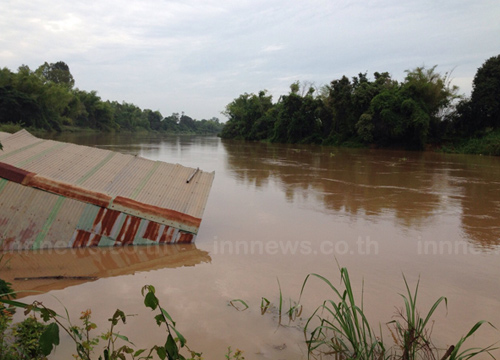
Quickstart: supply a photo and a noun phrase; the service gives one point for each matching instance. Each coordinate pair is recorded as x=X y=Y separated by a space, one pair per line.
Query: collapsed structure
x=57 y=195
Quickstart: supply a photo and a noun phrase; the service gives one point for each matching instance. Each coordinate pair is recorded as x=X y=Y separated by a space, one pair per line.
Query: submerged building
x=60 y=195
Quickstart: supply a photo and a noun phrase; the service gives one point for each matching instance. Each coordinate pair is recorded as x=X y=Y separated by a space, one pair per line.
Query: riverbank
x=489 y=144
x=12 y=128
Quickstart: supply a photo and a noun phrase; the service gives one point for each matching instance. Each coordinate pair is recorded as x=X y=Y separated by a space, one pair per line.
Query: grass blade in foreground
x=345 y=331
x=340 y=328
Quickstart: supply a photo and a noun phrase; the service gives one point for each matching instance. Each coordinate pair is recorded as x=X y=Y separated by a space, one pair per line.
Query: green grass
x=489 y=144
x=10 y=128
x=340 y=328
x=343 y=329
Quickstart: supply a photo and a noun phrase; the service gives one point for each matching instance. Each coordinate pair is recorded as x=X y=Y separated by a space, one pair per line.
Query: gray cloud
x=196 y=56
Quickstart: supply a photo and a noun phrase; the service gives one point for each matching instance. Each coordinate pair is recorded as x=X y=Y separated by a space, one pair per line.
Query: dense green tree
x=298 y=117
x=128 y=116
x=212 y=126
x=28 y=99
x=31 y=87
x=41 y=104
x=248 y=118
x=6 y=77
x=20 y=108
x=289 y=105
x=103 y=114
x=380 y=111
x=341 y=101
x=187 y=123
x=17 y=106
x=482 y=111
x=170 y=123
x=177 y=123
x=393 y=119
x=433 y=95
x=57 y=73
x=406 y=114
x=96 y=114
x=74 y=109
x=45 y=99
x=348 y=101
x=154 y=119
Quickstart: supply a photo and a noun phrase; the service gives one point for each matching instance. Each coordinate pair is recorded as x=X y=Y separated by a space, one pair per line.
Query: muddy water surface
x=280 y=212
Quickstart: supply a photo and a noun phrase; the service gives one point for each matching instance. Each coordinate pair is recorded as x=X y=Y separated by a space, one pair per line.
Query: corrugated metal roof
x=92 y=196
x=4 y=135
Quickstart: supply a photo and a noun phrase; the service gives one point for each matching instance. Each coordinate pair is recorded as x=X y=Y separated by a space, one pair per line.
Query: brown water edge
x=281 y=212
x=53 y=269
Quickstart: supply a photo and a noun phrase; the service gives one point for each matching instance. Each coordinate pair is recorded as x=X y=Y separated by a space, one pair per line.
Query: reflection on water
x=411 y=186
x=52 y=269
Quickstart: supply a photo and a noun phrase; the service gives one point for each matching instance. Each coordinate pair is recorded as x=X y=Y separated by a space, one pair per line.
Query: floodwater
x=277 y=213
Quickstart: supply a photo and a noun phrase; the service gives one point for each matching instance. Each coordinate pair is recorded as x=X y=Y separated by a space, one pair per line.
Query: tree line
x=46 y=99
x=422 y=109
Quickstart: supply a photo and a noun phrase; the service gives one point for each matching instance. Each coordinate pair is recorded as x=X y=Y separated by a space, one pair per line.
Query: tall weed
x=343 y=329
x=340 y=328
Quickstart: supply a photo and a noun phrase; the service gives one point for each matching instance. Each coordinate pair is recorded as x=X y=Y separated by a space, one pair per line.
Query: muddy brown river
x=278 y=213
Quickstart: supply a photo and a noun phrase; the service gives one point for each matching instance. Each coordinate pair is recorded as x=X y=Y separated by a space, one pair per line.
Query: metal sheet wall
x=54 y=195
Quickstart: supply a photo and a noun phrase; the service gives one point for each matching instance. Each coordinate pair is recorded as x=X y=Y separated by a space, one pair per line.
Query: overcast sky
x=196 y=56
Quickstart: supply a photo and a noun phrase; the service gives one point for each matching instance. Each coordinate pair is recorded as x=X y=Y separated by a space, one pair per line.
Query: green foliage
x=6 y=290
x=340 y=327
x=130 y=117
x=45 y=99
x=365 y=127
x=239 y=304
x=95 y=113
x=19 y=99
x=237 y=355
x=21 y=340
x=356 y=111
x=348 y=101
x=34 y=340
x=298 y=118
x=28 y=343
x=407 y=114
x=341 y=100
x=343 y=328
x=481 y=113
x=485 y=96
x=293 y=310
x=57 y=73
x=412 y=335
x=154 y=119
x=249 y=117
x=488 y=144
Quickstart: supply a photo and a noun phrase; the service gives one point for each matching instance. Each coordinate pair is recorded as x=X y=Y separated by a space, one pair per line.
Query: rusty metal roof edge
x=161 y=215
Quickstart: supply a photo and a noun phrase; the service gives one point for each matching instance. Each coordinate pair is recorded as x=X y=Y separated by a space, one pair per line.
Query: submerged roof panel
x=55 y=194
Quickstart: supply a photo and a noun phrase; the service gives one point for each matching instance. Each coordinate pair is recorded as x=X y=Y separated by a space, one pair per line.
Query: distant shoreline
x=488 y=145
